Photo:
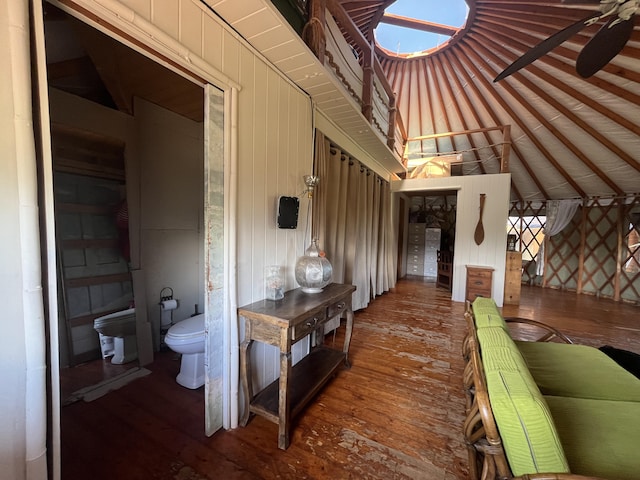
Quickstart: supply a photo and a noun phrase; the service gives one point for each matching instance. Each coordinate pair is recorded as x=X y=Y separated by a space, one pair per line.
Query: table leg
x=245 y=378
x=347 y=337
x=284 y=410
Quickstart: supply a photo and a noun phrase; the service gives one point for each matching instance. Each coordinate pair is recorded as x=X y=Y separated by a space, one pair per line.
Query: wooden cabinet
x=479 y=282
x=513 y=278
x=281 y=323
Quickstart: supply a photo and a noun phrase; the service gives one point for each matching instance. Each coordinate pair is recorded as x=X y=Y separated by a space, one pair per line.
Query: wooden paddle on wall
x=478 y=235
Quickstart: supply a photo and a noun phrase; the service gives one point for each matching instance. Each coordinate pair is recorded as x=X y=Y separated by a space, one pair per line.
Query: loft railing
x=357 y=67
x=415 y=146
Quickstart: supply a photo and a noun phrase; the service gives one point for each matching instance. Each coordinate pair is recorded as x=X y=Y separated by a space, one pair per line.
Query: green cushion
x=600 y=437
x=496 y=337
x=578 y=371
x=486 y=313
x=526 y=427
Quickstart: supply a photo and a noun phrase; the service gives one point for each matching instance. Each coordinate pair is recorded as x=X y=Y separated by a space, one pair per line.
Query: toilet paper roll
x=169 y=304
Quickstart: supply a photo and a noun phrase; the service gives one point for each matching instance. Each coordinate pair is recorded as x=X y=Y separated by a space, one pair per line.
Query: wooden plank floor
x=396 y=414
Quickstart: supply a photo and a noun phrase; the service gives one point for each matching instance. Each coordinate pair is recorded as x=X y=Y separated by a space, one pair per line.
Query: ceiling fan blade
x=605 y=44
x=545 y=47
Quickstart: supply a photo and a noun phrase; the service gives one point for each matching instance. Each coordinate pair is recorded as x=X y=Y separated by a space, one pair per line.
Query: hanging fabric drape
x=559 y=214
x=352 y=222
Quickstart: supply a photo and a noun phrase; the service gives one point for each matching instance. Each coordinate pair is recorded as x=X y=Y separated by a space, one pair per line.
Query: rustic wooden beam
x=462 y=132
x=391 y=130
x=583 y=244
x=415 y=24
x=506 y=150
x=367 y=84
x=314 y=31
x=619 y=250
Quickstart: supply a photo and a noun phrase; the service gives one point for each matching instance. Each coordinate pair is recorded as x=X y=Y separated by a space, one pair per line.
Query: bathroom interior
x=128 y=155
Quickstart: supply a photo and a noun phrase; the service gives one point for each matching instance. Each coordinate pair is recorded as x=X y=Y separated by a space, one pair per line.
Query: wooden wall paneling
x=166 y=15
x=212 y=41
x=190 y=27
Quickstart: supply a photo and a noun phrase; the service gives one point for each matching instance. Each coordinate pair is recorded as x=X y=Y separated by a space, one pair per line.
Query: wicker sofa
x=545 y=410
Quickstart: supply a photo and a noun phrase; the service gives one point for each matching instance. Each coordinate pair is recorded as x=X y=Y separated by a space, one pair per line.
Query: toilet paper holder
x=167 y=305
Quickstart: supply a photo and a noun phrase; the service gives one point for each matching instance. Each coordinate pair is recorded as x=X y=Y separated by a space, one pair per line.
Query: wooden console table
x=282 y=323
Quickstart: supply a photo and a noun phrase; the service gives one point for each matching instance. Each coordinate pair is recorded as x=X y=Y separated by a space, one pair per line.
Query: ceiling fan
x=605 y=44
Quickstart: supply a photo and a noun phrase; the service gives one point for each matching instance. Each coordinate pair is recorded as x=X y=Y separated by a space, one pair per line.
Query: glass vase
x=274 y=283
x=313 y=271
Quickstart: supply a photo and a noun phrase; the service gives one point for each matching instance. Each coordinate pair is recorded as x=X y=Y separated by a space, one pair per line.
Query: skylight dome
x=417 y=27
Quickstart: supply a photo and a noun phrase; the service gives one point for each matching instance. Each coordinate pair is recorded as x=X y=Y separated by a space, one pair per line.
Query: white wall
x=492 y=251
x=22 y=343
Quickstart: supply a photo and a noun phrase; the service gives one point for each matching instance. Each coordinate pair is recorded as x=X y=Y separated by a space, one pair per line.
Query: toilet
x=187 y=337
x=122 y=327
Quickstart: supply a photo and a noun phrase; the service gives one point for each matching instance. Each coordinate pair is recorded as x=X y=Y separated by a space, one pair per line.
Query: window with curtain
x=352 y=222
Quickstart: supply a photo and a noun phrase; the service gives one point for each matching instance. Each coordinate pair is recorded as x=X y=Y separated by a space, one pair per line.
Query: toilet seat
x=118 y=324
x=187 y=338
x=186 y=332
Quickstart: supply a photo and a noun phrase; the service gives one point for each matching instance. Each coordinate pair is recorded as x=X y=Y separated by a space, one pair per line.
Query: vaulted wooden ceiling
x=571 y=137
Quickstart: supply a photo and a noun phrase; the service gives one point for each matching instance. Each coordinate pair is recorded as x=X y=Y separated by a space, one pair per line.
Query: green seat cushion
x=599 y=437
x=526 y=426
x=486 y=313
x=578 y=371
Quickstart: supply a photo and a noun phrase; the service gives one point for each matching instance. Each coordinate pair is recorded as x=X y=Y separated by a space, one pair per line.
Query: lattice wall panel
x=563 y=256
x=630 y=272
x=525 y=221
x=605 y=271
x=600 y=262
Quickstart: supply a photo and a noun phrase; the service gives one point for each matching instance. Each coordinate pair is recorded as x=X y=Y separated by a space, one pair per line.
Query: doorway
x=128 y=148
x=429 y=220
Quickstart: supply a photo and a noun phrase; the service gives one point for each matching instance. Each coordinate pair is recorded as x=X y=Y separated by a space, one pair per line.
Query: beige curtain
x=352 y=222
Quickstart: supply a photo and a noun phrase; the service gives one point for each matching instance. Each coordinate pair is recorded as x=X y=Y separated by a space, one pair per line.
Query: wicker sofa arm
x=551 y=331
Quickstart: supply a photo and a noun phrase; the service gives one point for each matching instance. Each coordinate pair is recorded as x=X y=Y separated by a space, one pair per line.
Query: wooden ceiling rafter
x=569 y=90
x=515 y=119
x=526 y=23
x=432 y=127
x=497 y=38
x=566 y=112
x=453 y=74
x=428 y=65
x=440 y=75
x=542 y=119
x=498 y=32
x=565 y=59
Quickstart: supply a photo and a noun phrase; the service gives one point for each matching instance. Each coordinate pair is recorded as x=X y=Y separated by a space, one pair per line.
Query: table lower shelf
x=308 y=376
